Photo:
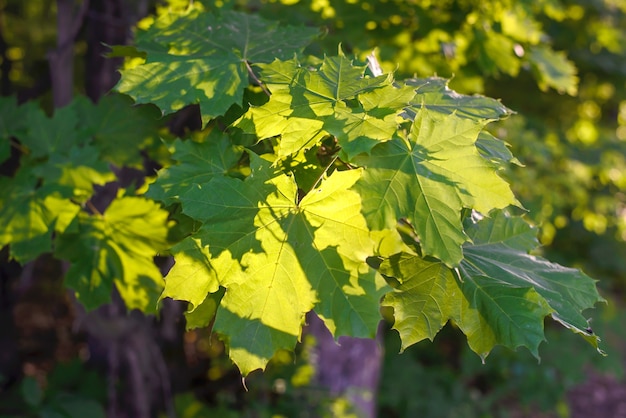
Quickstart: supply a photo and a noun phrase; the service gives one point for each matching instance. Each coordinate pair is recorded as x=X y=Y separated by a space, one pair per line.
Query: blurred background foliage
x=560 y=64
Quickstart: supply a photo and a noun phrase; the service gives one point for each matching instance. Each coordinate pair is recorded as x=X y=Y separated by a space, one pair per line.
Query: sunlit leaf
x=28 y=215
x=306 y=103
x=279 y=258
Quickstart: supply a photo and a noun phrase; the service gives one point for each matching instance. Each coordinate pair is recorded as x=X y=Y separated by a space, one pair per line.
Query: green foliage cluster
x=344 y=165
x=46 y=205
x=572 y=145
x=318 y=182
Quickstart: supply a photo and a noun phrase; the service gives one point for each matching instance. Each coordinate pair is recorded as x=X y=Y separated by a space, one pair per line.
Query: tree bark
x=61 y=59
x=350 y=367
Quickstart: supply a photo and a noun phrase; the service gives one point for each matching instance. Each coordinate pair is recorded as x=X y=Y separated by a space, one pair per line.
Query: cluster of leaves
x=49 y=202
x=338 y=180
x=572 y=145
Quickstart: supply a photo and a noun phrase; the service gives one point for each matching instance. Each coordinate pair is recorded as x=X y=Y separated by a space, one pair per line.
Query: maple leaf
x=420 y=301
x=116 y=249
x=499 y=294
x=120 y=129
x=308 y=103
x=196 y=163
x=279 y=257
x=30 y=214
x=500 y=252
x=427 y=178
x=57 y=134
x=13 y=122
x=553 y=69
x=204 y=59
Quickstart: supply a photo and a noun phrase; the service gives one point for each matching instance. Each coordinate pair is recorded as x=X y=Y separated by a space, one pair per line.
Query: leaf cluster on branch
x=316 y=184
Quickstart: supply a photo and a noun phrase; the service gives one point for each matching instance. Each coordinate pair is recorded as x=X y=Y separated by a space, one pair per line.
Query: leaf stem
x=13 y=143
x=93 y=208
x=319 y=179
x=256 y=79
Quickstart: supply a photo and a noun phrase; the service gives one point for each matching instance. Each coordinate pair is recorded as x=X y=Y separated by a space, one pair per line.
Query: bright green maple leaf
x=279 y=257
x=200 y=58
x=307 y=102
x=428 y=178
x=78 y=168
x=116 y=249
x=203 y=314
x=197 y=163
x=192 y=277
x=359 y=128
x=29 y=215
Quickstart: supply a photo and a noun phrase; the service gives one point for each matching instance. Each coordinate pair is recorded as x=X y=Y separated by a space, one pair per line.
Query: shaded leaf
x=58 y=134
x=499 y=251
x=499 y=294
x=120 y=130
x=116 y=249
x=495 y=150
x=553 y=69
x=197 y=163
x=490 y=313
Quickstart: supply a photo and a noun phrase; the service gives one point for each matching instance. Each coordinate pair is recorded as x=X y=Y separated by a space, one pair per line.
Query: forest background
x=560 y=65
